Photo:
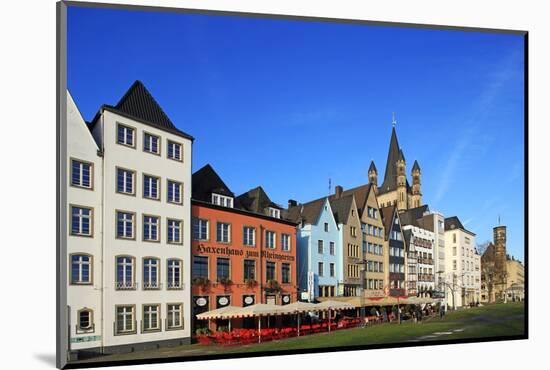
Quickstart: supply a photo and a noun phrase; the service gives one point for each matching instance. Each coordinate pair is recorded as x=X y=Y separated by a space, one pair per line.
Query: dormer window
x=222 y=200
x=274 y=212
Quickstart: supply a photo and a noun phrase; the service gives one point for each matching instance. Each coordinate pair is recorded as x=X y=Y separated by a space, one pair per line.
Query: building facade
x=494 y=267
x=140 y=177
x=244 y=252
x=397 y=286
x=463 y=276
x=84 y=242
x=515 y=280
x=351 y=274
x=320 y=261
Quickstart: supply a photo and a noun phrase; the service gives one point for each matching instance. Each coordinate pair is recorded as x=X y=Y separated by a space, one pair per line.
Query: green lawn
x=480 y=322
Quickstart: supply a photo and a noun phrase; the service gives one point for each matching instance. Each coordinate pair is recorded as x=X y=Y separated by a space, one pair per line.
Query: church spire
x=390 y=176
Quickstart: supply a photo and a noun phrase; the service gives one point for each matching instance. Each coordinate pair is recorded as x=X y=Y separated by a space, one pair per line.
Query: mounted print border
x=170 y=246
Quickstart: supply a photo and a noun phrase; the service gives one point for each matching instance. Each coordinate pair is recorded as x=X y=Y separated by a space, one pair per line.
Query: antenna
x=498 y=220
x=329 y=186
x=393 y=121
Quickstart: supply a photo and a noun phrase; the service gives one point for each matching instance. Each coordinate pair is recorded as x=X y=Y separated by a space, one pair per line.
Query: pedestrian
x=441 y=312
x=414 y=317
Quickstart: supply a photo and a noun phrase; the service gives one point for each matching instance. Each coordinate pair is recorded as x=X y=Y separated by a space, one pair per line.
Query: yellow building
x=515 y=287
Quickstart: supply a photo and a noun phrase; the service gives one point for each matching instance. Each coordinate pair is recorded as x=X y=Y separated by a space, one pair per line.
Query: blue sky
x=289 y=104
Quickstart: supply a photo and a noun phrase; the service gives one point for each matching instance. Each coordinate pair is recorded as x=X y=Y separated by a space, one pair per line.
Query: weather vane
x=393 y=119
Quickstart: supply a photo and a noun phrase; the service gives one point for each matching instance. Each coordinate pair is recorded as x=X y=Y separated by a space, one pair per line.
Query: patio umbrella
x=217 y=314
x=333 y=305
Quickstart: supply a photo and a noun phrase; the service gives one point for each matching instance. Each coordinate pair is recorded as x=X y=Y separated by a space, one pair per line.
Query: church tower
x=401 y=183
x=499 y=239
x=416 y=193
x=373 y=176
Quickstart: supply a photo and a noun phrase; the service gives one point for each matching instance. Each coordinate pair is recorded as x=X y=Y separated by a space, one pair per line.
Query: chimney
x=338 y=191
x=292 y=203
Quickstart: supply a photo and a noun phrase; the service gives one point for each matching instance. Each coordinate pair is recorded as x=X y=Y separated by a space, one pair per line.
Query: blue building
x=318 y=248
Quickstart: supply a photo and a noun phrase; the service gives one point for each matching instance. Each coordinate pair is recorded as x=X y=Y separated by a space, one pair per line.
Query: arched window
x=85 y=321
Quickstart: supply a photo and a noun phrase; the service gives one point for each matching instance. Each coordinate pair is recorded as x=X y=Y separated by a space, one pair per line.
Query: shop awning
x=334 y=305
x=217 y=313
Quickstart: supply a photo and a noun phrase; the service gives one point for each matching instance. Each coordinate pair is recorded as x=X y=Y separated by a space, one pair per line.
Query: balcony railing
x=125 y=285
x=175 y=285
x=152 y=285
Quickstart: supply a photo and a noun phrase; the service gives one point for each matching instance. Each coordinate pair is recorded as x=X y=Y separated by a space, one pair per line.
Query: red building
x=243 y=251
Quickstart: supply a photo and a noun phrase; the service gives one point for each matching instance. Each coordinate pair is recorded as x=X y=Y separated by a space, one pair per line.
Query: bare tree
x=482 y=247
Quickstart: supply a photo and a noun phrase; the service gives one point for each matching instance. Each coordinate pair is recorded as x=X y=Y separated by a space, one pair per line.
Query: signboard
x=201 y=301
x=305 y=296
x=248 y=300
x=438 y=294
x=311 y=285
x=223 y=301
x=286 y=299
x=89 y=338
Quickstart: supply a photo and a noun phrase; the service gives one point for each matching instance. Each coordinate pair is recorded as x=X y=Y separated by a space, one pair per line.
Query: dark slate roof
x=489 y=253
x=452 y=223
x=205 y=182
x=401 y=155
x=387 y=218
x=341 y=208
x=390 y=176
x=308 y=213
x=138 y=104
x=372 y=167
x=416 y=166
x=407 y=234
x=413 y=215
x=256 y=200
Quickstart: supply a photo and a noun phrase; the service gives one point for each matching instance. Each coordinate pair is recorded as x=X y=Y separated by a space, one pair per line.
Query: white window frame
x=81 y=217
x=174 y=228
x=249 y=236
x=199 y=224
x=171 y=314
x=173 y=185
x=172 y=144
x=81 y=164
x=222 y=200
x=125 y=142
x=151 y=137
x=270 y=239
x=285 y=242
x=149 y=311
x=274 y=212
x=223 y=235
x=148 y=225
x=152 y=179
x=125 y=171
x=125 y=285
x=81 y=264
x=173 y=264
x=125 y=221
x=151 y=281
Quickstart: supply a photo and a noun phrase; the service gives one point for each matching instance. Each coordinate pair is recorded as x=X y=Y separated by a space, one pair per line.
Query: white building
x=463 y=274
x=133 y=223
x=421 y=244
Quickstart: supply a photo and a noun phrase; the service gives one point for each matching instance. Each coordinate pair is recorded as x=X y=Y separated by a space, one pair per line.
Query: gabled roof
x=256 y=200
x=205 y=182
x=452 y=223
x=372 y=167
x=341 y=208
x=413 y=215
x=138 y=104
x=387 y=218
x=416 y=166
x=407 y=234
x=307 y=213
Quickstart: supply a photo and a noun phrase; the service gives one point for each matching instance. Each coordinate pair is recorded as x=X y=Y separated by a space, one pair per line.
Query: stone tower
x=373 y=176
x=499 y=240
x=416 y=194
x=401 y=183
